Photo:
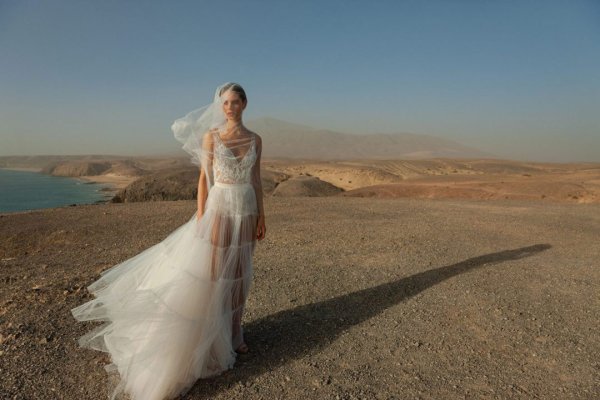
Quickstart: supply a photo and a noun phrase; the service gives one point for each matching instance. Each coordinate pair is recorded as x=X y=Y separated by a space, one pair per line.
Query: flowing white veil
x=199 y=129
x=172 y=313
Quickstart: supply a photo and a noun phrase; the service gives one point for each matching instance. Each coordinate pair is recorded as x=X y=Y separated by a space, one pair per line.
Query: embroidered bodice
x=227 y=168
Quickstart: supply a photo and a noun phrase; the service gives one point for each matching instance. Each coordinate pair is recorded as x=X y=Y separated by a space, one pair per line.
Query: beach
x=115 y=182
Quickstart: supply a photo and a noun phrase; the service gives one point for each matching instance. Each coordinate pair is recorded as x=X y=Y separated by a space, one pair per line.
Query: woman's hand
x=261 y=229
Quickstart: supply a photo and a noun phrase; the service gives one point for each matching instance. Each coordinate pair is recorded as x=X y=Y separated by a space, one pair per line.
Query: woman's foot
x=242 y=349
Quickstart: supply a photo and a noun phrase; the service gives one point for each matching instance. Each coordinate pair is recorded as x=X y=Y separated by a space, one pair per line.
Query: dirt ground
x=353 y=298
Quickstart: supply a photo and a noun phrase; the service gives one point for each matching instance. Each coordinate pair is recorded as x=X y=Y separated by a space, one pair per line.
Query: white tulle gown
x=173 y=312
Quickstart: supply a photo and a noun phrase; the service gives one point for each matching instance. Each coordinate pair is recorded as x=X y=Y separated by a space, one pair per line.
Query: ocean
x=25 y=190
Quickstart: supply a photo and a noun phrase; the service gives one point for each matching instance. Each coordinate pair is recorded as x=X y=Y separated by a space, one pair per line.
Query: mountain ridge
x=290 y=140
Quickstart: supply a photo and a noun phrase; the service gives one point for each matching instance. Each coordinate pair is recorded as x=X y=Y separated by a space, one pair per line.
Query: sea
x=26 y=190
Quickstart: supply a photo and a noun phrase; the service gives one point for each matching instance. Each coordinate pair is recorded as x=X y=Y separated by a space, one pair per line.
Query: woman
x=174 y=310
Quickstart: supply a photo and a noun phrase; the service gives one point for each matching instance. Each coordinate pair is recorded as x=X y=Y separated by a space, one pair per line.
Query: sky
x=516 y=78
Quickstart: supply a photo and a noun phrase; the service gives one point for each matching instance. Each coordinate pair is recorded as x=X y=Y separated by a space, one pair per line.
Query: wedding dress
x=173 y=312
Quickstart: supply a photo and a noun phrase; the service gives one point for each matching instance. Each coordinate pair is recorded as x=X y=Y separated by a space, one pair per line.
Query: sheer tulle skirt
x=173 y=312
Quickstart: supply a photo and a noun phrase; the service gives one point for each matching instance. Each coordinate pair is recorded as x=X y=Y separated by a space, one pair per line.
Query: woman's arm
x=206 y=168
x=258 y=189
x=202 y=193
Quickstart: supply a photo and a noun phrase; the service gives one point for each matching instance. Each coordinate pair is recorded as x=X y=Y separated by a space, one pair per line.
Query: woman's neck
x=235 y=127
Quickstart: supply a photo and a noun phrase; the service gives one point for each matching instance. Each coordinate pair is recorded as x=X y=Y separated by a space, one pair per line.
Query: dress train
x=173 y=312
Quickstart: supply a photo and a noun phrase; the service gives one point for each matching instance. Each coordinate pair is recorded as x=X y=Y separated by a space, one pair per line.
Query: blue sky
x=516 y=78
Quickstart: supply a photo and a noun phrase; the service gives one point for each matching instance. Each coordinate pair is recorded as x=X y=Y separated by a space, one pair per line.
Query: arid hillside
x=152 y=179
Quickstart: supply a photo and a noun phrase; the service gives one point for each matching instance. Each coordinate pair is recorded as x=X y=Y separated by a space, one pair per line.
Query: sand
x=353 y=298
x=115 y=182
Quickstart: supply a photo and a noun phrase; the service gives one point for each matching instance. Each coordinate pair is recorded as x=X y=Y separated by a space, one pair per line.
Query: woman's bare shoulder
x=209 y=136
x=257 y=137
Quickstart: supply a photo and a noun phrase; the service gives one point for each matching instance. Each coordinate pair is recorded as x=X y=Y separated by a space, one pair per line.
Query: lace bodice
x=227 y=168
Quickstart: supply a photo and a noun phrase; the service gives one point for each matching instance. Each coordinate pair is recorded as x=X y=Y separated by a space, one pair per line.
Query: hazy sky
x=520 y=79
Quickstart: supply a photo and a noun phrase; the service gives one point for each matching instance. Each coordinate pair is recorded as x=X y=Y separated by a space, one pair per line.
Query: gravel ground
x=353 y=298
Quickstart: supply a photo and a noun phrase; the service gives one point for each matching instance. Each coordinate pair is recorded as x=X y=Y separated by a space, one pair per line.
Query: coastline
x=112 y=183
x=116 y=182
x=26 y=169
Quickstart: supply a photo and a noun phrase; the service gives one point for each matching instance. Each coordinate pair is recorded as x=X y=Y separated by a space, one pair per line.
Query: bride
x=173 y=312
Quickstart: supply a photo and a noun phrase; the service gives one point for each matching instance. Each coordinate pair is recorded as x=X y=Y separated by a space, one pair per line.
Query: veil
x=203 y=132
x=173 y=312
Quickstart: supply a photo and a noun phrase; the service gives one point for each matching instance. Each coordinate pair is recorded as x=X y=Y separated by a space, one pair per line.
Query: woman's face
x=232 y=105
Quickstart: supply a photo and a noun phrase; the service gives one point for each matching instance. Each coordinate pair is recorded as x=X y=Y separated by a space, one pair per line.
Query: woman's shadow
x=290 y=334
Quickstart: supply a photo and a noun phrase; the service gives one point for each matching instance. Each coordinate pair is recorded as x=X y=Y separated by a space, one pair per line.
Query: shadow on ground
x=291 y=334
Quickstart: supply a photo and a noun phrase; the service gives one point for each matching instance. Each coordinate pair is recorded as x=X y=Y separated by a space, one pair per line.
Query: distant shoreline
x=26 y=169
x=113 y=183
x=18 y=197
x=116 y=182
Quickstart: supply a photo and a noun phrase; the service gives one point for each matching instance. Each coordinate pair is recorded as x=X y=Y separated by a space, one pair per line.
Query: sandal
x=242 y=349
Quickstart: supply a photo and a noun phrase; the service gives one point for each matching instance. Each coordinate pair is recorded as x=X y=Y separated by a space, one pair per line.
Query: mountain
x=287 y=140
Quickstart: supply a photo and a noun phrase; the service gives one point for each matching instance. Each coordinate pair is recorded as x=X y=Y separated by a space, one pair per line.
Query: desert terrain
x=378 y=279
x=453 y=178
x=173 y=178
x=299 y=160
x=353 y=298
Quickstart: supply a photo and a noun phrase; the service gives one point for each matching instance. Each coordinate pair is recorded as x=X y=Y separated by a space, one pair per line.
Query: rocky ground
x=353 y=298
